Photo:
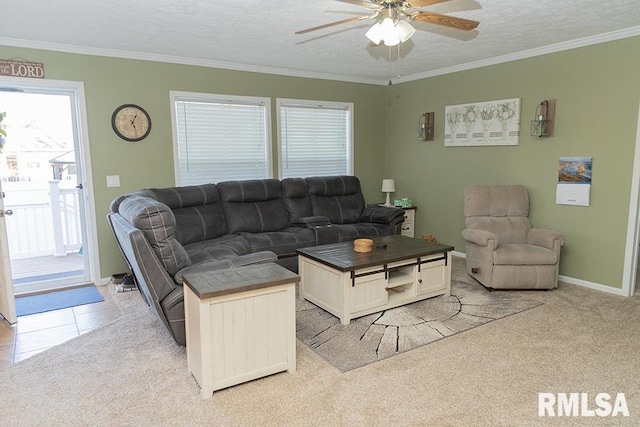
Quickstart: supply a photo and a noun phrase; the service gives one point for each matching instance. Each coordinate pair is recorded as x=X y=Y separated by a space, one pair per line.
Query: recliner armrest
x=226 y=263
x=381 y=214
x=311 y=221
x=480 y=237
x=545 y=238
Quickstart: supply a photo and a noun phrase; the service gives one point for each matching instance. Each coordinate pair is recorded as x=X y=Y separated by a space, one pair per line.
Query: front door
x=7 y=302
x=41 y=168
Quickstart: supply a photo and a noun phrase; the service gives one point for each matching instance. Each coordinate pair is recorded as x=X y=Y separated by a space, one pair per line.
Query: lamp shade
x=375 y=33
x=390 y=35
x=390 y=32
x=405 y=30
x=388 y=186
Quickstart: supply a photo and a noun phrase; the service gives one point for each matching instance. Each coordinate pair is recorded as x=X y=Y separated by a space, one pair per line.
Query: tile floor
x=37 y=332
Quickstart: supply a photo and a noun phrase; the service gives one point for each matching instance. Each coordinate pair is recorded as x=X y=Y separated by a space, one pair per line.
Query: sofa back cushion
x=337 y=197
x=157 y=223
x=296 y=198
x=500 y=209
x=197 y=210
x=253 y=206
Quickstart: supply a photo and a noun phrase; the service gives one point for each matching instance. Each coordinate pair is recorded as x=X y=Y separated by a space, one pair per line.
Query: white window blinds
x=315 y=138
x=221 y=139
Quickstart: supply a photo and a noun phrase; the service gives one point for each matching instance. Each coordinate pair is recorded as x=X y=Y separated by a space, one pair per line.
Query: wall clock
x=131 y=122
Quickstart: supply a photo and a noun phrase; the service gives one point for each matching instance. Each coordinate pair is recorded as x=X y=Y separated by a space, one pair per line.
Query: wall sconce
x=425 y=127
x=388 y=186
x=543 y=123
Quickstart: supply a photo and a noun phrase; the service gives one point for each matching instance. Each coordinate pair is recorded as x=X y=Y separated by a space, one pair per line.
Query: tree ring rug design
x=381 y=335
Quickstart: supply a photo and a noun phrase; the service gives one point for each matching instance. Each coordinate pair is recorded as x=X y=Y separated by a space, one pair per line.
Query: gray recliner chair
x=503 y=250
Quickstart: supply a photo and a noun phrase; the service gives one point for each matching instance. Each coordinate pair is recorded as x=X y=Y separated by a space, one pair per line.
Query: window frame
x=306 y=103
x=220 y=98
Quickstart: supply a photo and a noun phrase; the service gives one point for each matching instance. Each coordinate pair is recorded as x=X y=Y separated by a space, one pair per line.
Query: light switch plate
x=113 y=180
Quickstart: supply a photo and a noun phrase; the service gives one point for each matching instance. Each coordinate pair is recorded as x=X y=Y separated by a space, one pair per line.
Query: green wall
x=597 y=93
x=110 y=82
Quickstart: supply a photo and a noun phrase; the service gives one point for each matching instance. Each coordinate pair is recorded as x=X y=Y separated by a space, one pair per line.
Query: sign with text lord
x=16 y=68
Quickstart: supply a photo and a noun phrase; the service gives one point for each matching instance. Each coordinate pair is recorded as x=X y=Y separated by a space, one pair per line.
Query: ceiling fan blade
x=331 y=24
x=449 y=21
x=416 y=4
x=367 y=4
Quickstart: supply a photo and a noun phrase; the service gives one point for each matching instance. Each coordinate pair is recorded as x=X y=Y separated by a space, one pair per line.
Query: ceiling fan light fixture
x=405 y=30
x=390 y=32
x=375 y=33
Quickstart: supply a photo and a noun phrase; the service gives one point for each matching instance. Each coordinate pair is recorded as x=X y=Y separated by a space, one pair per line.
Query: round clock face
x=131 y=122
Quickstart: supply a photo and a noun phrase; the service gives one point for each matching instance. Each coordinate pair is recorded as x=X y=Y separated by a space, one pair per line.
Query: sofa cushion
x=508 y=229
x=337 y=197
x=253 y=206
x=524 y=255
x=496 y=200
x=296 y=198
x=382 y=214
x=157 y=223
x=226 y=246
x=197 y=210
x=283 y=243
x=500 y=209
x=348 y=232
x=183 y=197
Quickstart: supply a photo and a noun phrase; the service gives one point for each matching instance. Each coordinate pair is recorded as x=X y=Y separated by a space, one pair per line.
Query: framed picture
x=483 y=123
x=574 y=181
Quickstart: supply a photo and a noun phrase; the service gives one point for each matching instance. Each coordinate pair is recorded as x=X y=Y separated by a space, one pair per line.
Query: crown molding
x=152 y=57
x=558 y=47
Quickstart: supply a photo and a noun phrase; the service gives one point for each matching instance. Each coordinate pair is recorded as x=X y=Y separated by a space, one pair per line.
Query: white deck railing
x=43 y=228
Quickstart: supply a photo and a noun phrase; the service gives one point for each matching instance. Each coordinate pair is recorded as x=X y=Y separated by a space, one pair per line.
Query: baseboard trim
x=459 y=254
x=592 y=285
x=574 y=281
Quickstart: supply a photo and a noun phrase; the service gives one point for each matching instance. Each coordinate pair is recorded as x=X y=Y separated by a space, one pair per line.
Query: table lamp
x=388 y=186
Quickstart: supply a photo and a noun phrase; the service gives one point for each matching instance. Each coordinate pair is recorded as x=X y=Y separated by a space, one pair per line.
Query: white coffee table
x=399 y=270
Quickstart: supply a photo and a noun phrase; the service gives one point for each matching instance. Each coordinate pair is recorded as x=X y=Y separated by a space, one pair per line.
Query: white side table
x=240 y=324
x=409 y=224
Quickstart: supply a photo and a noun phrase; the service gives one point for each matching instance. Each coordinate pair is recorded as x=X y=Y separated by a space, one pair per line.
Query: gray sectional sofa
x=164 y=233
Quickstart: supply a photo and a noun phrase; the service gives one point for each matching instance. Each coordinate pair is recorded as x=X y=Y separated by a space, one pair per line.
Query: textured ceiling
x=259 y=34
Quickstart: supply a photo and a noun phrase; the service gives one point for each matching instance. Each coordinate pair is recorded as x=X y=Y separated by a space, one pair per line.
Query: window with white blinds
x=220 y=138
x=316 y=138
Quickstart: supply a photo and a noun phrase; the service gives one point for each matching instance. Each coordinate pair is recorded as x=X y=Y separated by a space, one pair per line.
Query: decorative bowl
x=363 y=245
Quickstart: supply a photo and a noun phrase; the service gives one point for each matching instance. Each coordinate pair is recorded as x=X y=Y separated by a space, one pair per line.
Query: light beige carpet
x=130 y=373
x=388 y=333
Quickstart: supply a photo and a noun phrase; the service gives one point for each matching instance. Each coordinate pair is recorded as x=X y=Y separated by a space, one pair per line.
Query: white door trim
x=633 y=223
x=84 y=153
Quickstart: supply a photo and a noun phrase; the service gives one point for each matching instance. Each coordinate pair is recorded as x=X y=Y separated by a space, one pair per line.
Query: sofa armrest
x=381 y=214
x=226 y=263
x=480 y=237
x=311 y=221
x=545 y=238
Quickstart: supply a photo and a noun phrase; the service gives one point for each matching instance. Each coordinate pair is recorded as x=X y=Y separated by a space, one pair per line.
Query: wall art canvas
x=483 y=123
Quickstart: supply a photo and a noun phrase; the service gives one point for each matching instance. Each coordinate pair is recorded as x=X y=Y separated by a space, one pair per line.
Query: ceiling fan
x=390 y=27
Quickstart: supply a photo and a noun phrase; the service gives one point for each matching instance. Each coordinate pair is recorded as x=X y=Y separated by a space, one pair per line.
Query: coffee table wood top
x=386 y=249
x=240 y=279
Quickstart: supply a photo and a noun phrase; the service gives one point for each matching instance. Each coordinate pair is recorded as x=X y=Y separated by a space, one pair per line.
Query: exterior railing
x=47 y=227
